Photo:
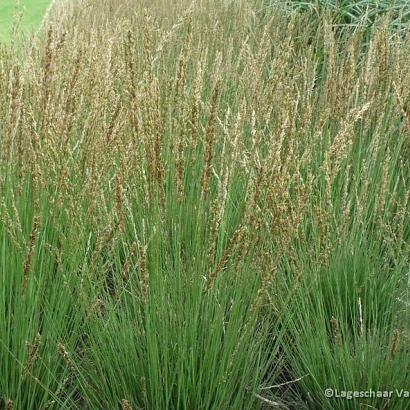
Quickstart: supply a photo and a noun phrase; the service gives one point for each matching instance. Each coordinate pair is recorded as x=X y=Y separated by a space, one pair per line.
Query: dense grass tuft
x=203 y=206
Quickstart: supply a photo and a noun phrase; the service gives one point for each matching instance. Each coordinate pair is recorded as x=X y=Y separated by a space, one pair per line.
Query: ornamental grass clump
x=203 y=207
